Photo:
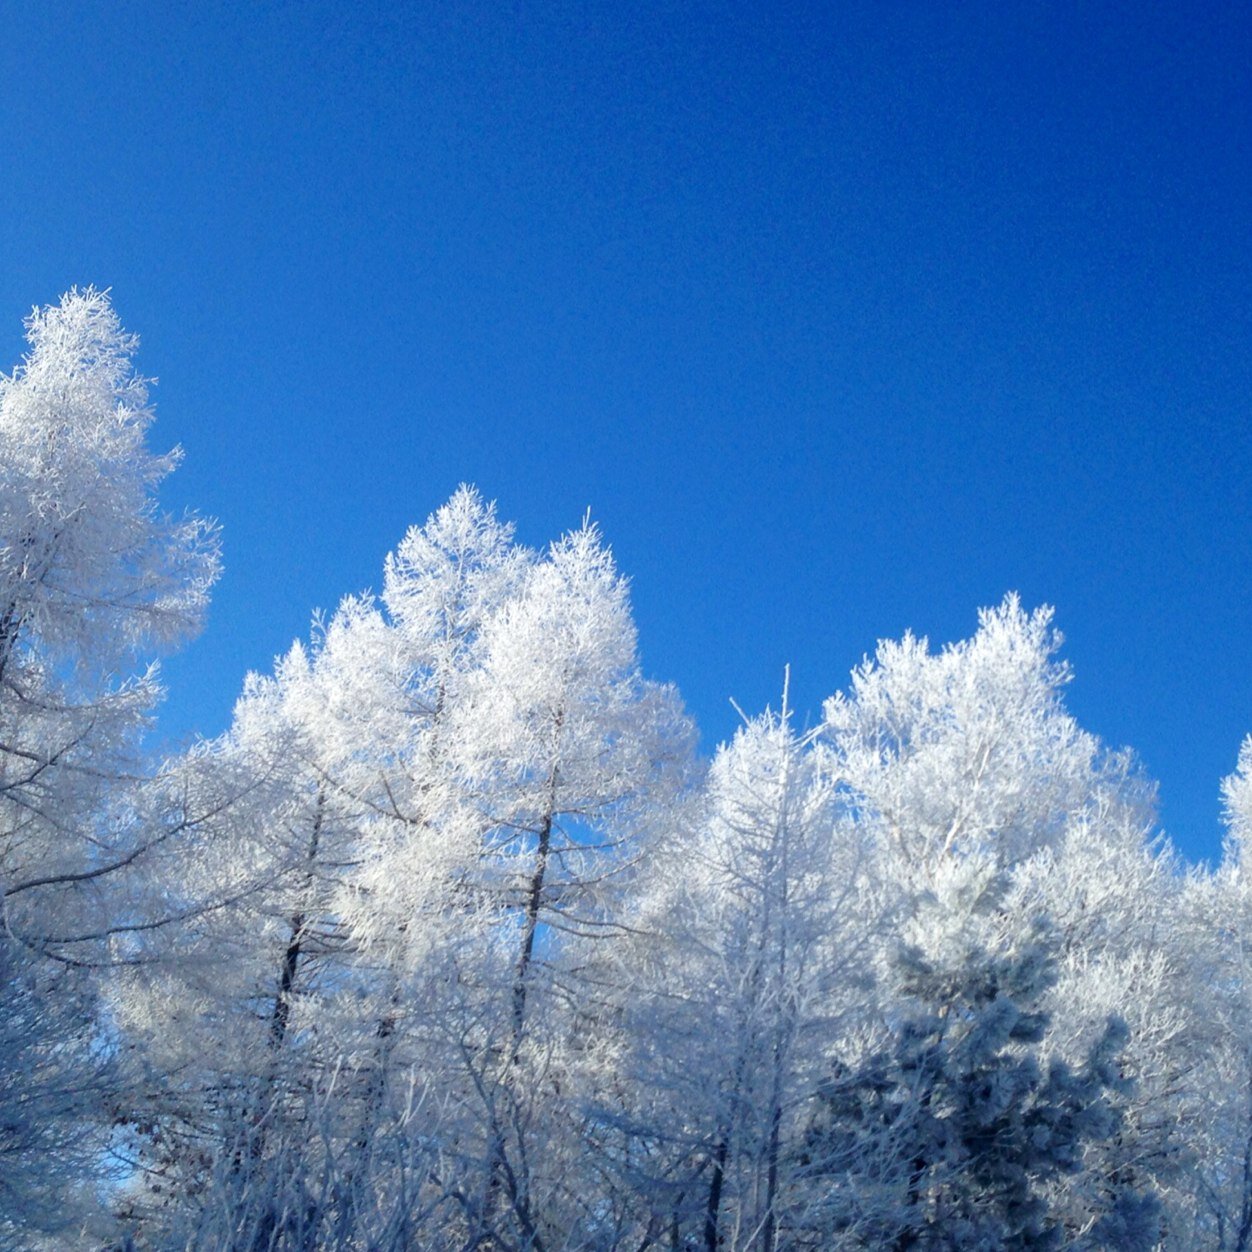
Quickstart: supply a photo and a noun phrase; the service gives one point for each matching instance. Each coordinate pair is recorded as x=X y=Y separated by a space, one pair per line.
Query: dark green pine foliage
x=958 y=1134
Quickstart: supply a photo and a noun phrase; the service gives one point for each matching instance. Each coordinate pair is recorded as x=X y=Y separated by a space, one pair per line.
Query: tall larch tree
x=93 y=576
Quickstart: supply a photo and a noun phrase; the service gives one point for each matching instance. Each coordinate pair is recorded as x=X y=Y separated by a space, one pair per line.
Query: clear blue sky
x=843 y=318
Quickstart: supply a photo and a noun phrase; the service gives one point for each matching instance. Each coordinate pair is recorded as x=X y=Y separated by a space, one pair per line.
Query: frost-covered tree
x=400 y=676
x=959 y=1131
x=788 y=951
x=313 y=995
x=742 y=969
x=91 y=576
x=1216 y=935
x=570 y=744
x=90 y=569
x=968 y=749
x=424 y=796
x=969 y=754
x=235 y=1012
x=568 y=752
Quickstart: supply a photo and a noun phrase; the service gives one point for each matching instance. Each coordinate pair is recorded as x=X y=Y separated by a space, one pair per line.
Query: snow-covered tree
x=91 y=576
x=569 y=753
x=741 y=971
x=969 y=749
x=230 y=1009
x=426 y=795
x=959 y=1131
x=1213 y=928
x=967 y=758
x=90 y=569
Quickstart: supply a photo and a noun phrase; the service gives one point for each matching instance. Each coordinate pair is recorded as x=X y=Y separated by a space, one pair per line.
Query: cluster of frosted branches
x=451 y=941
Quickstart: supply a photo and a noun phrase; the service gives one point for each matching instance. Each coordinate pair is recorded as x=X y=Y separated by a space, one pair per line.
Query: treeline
x=452 y=942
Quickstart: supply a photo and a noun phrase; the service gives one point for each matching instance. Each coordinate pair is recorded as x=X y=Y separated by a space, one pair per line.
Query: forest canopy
x=453 y=940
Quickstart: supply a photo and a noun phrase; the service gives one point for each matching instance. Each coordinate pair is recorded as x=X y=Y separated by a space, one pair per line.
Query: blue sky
x=843 y=319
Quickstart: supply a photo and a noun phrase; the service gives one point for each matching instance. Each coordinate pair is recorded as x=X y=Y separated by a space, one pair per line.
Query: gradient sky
x=843 y=319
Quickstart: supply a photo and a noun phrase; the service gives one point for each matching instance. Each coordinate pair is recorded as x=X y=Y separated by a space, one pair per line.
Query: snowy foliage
x=89 y=569
x=91 y=573
x=450 y=941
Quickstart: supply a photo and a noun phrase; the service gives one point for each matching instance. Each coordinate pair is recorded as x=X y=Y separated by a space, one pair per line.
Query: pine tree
x=959 y=1123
